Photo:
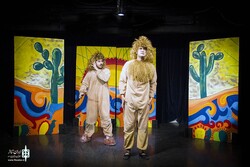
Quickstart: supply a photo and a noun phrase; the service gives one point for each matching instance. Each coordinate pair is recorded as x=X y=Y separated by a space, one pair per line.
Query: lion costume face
x=142 y=41
x=96 y=56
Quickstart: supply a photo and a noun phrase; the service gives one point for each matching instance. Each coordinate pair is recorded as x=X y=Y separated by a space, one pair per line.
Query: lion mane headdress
x=142 y=41
x=96 y=56
x=142 y=71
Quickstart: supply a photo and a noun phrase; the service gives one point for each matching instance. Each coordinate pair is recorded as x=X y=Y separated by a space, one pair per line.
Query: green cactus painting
x=57 y=77
x=204 y=67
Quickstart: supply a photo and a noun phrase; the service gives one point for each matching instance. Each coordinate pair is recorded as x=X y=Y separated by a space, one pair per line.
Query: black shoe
x=126 y=155
x=143 y=155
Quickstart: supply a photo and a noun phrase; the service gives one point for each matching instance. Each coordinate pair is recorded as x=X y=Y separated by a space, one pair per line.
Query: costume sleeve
x=123 y=79
x=153 y=84
x=104 y=75
x=85 y=84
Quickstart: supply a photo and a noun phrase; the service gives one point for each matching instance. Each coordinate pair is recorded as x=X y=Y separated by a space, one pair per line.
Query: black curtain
x=69 y=81
x=7 y=85
x=172 y=88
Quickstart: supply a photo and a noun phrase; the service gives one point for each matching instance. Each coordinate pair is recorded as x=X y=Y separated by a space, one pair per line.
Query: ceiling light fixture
x=120 y=8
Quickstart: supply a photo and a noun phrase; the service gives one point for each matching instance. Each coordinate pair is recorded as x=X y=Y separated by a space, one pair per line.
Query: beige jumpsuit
x=136 y=111
x=95 y=85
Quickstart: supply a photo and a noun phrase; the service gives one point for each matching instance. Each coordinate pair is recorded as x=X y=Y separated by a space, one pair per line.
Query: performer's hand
x=81 y=95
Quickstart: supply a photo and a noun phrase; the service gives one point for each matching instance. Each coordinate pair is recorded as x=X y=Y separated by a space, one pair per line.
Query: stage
x=169 y=145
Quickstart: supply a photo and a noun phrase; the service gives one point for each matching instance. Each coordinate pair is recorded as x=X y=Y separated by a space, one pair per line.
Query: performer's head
x=97 y=58
x=142 y=47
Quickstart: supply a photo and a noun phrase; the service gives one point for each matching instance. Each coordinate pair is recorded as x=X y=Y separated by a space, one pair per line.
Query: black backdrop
x=172 y=69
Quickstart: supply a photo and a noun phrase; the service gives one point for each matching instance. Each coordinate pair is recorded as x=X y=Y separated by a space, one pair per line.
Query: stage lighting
x=120 y=8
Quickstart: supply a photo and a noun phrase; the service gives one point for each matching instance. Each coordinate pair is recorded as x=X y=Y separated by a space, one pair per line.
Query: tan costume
x=137 y=84
x=95 y=85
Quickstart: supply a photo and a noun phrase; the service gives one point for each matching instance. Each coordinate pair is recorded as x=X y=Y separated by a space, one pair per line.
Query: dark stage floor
x=169 y=146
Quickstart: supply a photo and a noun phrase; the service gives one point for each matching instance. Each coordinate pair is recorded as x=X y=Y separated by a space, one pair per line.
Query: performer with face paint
x=137 y=87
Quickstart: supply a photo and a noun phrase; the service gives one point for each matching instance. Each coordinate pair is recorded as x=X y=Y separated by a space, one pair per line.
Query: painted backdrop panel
x=39 y=85
x=213 y=88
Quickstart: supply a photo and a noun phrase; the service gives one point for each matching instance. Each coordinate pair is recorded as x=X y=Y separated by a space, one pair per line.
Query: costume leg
x=91 y=118
x=142 y=136
x=104 y=112
x=129 y=127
